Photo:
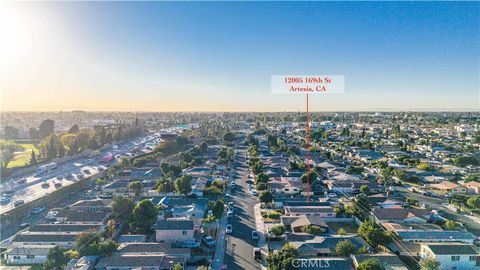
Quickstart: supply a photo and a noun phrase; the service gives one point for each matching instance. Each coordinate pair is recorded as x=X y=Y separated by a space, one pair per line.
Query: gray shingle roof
x=136 y=260
x=174 y=225
x=436 y=235
x=63 y=227
x=36 y=237
x=447 y=249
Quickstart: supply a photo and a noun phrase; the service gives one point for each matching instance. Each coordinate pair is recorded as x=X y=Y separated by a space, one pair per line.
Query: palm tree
x=208 y=220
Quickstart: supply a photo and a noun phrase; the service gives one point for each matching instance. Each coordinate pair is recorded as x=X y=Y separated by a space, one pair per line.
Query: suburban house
x=303 y=221
x=94 y=205
x=80 y=217
x=452 y=256
x=63 y=239
x=22 y=255
x=401 y=215
x=314 y=246
x=174 y=230
x=449 y=187
x=129 y=261
x=473 y=187
x=435 y=236
x=32 y=246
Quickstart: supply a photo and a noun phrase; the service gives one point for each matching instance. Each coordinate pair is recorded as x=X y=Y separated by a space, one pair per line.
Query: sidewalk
x=221 y=244
x=260 y=227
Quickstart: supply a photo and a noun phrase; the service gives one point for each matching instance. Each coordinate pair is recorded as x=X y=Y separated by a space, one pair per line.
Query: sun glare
x=15 y=36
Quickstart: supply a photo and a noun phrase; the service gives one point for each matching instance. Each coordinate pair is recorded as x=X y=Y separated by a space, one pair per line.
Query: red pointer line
x=307 y=156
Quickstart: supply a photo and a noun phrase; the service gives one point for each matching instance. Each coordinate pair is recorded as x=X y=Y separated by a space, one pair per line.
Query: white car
x=332 y=195
x=229 y=228
x=253 y=192
x=229 y=213
x=254 y=235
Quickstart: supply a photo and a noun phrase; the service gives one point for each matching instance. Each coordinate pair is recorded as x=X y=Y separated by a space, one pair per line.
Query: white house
x=174 y=230
x=452 y=256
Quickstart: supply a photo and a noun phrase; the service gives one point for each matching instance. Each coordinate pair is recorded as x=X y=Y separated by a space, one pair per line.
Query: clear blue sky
x=210 y=56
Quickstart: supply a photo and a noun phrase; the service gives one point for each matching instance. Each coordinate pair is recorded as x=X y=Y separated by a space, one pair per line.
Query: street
x=239 y=246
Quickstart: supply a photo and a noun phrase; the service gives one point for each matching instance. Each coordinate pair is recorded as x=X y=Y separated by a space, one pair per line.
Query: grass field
x=22 y=158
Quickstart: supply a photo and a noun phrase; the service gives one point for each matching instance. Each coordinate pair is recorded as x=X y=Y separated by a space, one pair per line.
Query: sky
x=219 y=56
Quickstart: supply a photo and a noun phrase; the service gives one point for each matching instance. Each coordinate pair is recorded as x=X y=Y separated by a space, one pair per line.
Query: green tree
x=46 y=128
x=451 y=225
x=136 y=187
x=55 y=258
x=106 y=248
x=228 y=137
x=282 y=260
x=369 y=264
x=144 y=215
x=7 y=150
x=473 y=202
x=261 y=178
x=86 y=243
x=177 y=266
x=183 y=185
x=266 y=197
x=345 y=248
x=33 y=158
x=74 y=129
x=365 y=189
x=341 y=231
x=277 y=230
x=122 y=207
x=429 y=263
x=373 y=233
x=71 y=254
x=217 y=207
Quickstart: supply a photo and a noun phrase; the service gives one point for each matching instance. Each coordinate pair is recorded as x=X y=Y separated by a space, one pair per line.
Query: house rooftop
x=64 y=227
x=450 y=248
x=174 y=225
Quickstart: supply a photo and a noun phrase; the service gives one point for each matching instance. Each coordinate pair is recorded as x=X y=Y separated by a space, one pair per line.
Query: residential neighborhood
x=239 y=195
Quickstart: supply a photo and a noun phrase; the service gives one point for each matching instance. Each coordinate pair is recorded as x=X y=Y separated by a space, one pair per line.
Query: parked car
x=332 y=195
x=18 y=203
x=229 y=213
x=232 y=185
x=22 y=181
x=38 y=210
x=45 y=185
x=4 y=200
x=229 y=228
x=255 y=235
x=208 y=241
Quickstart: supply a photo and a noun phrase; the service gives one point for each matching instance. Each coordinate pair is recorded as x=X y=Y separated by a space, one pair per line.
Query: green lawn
x=22 y=158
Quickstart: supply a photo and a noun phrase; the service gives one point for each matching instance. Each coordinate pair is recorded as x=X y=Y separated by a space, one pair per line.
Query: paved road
x=239 y=246
x=32 y=189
